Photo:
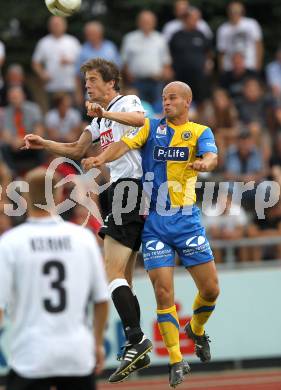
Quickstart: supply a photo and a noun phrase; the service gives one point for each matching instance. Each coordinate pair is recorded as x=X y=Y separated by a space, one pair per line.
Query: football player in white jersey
x=114 y=115
x=49 y=272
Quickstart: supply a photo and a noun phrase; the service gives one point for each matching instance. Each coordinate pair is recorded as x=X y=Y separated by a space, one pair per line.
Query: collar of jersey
x=49 y=219
x=178 y=127
x=112 y=101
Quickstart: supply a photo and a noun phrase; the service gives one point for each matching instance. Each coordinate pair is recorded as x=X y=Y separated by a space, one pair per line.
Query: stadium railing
x=231 y=245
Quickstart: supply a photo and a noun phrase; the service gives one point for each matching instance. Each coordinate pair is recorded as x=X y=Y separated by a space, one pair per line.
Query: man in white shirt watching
x=50 y=270
x=239 y=34
x=54 y=58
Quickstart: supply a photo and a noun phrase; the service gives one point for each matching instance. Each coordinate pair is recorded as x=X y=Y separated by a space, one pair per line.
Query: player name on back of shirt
x=40 y=244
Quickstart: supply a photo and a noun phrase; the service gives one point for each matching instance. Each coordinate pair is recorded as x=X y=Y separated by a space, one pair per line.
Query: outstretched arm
x=75 y=150
x=111 y=153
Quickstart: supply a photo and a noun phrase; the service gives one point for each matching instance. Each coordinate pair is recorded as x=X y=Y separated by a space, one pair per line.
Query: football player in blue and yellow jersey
x=173 y=151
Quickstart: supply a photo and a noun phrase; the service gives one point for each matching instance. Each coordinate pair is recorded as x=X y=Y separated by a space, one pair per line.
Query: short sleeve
x=37 y=114
x=165 y=52
x=6 y=273
x=125 y=48
x=221 y=39
x=256 y=30
x=38 y=54
x=137 y=137
x=2 y=50
x=132 y=103
x=206 y=143
x=94 y=129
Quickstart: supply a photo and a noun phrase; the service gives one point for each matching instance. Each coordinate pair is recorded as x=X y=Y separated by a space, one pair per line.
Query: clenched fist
x=94 y=110
x=91 y=162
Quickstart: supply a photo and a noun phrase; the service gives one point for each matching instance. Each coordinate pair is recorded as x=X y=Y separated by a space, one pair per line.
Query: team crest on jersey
x=186 y=135
x=135 y=102
x=161 y=130
x=132 y=132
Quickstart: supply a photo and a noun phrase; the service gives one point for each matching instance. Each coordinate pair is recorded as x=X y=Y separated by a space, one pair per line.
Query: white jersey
x=241 y=37
x=107 y=131
x=48 y=271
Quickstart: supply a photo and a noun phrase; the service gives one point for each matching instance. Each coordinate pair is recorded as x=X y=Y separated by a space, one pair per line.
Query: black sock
x=125 y=304
x=137 y=307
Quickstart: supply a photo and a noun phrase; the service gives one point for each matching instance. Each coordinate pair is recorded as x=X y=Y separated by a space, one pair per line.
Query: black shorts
x=17 y=382
x=125 y=227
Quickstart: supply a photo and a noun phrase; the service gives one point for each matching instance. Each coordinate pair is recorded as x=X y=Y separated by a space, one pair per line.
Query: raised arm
x=135 y=118
x=75 y=150
x=111 y=153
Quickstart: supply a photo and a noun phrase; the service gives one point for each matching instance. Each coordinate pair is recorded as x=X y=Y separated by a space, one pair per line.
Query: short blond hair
x=36 y=179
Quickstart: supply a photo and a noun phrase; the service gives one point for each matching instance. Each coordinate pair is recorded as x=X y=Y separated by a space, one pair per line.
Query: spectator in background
x=95 y=46
x=221 y=115
x=233 y=80
x=54 y=58
x=173 y=26
x=270 y=226
x=273 y=75
x=146 y=58
x=243 y=163
x=20 y=117
x=276 y=123
x=253 y=106
x=239 y=34
x=5 y=180
x=2 y=60
x=63 y=122
x=192 y=69
x=15 y=77
x=228 y=225
x=275 y=160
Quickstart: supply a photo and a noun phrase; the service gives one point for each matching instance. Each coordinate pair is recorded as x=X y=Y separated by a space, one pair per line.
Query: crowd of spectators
x=235 y=93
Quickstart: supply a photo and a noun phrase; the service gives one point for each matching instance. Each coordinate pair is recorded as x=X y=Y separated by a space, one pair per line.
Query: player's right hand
x=33 y=141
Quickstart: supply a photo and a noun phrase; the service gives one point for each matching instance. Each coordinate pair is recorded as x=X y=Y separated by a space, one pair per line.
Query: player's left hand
x=100 y=355
x=199 y=165
x=94 y=109
x=91 y=162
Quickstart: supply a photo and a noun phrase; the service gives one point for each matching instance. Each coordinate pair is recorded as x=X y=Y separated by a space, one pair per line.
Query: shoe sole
x=131 y=364
x=138 y=369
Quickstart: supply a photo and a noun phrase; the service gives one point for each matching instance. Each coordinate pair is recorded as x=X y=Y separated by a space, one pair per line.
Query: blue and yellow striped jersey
x=166 y=152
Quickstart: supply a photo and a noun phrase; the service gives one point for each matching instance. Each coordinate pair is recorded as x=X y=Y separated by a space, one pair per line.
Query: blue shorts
x=164 y=235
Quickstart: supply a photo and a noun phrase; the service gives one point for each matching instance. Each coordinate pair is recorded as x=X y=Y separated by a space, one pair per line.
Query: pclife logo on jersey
x=162 y=153
x=196 y=244
x=155 y=249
